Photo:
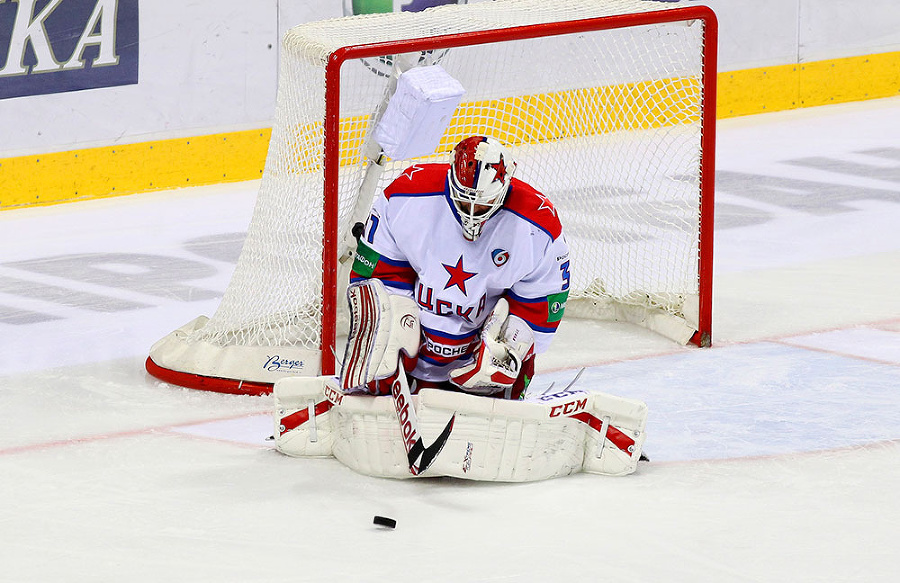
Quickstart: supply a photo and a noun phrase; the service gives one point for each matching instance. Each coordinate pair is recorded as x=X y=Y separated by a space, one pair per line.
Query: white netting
x=607 y=123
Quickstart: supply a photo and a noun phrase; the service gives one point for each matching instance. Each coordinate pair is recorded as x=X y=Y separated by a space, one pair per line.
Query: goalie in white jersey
x=483 y=256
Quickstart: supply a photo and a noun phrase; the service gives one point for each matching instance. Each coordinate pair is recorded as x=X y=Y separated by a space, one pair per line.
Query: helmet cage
x=480 y=162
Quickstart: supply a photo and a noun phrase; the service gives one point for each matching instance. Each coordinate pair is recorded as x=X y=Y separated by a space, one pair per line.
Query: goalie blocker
x=492 y=439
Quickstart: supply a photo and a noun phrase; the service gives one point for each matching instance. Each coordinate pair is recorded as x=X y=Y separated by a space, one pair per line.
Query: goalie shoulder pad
x=534 y=207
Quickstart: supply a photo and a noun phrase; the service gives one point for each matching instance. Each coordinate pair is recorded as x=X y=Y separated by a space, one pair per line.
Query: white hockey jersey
x=414 y=243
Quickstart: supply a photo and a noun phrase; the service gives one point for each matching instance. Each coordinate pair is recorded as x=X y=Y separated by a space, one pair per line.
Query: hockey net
x=607 y=105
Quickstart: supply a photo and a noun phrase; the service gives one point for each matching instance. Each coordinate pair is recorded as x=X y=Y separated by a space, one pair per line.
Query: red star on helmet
x=500 y=169
x=458 y=275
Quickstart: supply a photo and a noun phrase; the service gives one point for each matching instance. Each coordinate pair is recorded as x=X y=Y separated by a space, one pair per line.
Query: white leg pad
x=614 y=435
x=551 y=436
x=492 y=439
x=500 y=440
x=304 y=415
x=617 y=451
x=368 y=438
x=360 y=431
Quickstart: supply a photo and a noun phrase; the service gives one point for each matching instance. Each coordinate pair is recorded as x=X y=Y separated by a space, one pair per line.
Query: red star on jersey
x=458 y=275
x=546 y=204
x=500 y=169
x=408 y=173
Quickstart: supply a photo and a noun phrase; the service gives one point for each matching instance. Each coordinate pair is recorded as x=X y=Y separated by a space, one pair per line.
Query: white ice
x=775 y=453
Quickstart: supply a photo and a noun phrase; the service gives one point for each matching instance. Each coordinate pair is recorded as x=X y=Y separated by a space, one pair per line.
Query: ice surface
x=776 y=453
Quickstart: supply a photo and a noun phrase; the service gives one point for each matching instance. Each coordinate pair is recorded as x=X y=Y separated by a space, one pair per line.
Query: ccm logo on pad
x=568 y=408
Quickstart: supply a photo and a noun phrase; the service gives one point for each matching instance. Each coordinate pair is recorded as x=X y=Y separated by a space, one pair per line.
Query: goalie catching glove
x=507 y=343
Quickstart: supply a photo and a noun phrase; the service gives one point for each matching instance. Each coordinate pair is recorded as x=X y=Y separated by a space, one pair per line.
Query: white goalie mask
x=480 y=173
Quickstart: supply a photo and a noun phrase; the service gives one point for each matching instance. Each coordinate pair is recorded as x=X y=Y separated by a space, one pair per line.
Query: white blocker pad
x=418 y=112
x=381 y=326
x=491 y=440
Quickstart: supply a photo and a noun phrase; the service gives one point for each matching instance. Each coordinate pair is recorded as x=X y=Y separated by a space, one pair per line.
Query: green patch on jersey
x=556 y=305
x=365 y=260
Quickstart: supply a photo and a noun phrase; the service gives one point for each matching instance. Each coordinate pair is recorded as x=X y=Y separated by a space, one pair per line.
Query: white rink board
x=210 y=66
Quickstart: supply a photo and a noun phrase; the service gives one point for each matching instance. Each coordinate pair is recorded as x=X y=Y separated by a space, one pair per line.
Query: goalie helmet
x=480 y=173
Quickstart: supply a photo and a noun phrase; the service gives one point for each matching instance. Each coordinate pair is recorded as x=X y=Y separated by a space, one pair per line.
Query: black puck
x=384 y=521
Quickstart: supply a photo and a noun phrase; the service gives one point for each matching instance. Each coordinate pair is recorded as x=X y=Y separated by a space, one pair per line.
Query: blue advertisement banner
x=54 y=46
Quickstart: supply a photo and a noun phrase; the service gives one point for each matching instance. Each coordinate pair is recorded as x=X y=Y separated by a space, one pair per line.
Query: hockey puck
x=384 y=521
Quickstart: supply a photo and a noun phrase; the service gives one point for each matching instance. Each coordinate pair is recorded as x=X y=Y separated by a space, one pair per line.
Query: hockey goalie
x=460 y=279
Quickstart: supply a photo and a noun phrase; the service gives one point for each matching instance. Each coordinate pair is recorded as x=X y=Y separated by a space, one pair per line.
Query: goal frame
x=331 y=237
x=170 y=369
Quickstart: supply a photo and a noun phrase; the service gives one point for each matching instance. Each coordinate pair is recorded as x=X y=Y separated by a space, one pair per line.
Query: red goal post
x=608 y=104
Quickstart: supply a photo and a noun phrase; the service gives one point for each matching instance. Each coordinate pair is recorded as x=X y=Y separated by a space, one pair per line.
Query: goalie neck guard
x=479 y=177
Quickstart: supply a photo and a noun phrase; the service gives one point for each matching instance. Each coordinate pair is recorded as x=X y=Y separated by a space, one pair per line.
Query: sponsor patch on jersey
x=556 y=305
x=500 y=257
x=542 y=314
x=365 y=260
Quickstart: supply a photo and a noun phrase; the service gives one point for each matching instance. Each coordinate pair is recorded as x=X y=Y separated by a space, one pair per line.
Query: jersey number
x=565 y=275
x=373 y=220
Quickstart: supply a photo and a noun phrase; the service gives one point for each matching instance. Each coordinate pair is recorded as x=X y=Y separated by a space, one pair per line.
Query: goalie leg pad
x=552 y=436
x=303 y=415
x=492 y=439
x=368 y=439
x=614 y=436
x=381 y=326
x=500 y=440
x=313 y=418
x=614 y=448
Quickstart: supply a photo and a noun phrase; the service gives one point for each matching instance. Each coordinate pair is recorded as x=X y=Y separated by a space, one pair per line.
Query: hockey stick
x=375 y=160
x=368 y=302
x=392 y=134
x=418 y=456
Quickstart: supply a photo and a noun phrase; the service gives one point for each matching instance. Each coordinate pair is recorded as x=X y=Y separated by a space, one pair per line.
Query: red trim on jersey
x=442 y=337
x=535 y=312
x=533 y=206
x=400 y=275
x=419 y=179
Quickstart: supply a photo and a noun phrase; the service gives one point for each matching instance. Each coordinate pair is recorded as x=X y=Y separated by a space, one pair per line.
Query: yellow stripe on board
x=850 y=79
x=237 y=156
x=129 y=168
x=784 y=87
